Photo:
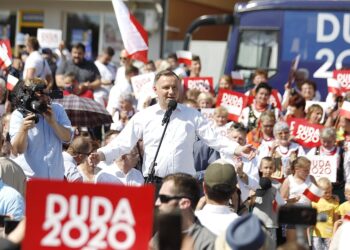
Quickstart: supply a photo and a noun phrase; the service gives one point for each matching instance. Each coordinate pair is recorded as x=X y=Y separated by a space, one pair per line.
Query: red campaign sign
x=305 y=133
x=233 y=101
x=204 y=84
x=5 y=53
x=62 y=215
x=343 y=77
x=274 y=99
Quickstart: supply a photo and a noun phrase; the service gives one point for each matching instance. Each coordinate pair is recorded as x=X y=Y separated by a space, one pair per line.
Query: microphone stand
x=151 y=171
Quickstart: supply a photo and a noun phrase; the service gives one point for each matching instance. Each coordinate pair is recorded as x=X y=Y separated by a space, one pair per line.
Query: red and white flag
x=184 y=56
x=345 y=109
x=5 y=53
x=135 y=38
x=237 y=78
x=313 y=193
x=333 y=86
x=11 y=82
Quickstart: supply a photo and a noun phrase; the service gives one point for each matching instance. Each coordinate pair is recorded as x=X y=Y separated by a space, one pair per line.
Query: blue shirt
x=43 y=157
x=11 y=202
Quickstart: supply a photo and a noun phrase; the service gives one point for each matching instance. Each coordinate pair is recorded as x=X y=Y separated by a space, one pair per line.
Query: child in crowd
x=344 y=208
x=264 y=132
x=71 y=86
x=205 y=100
x=296 y=183
x=268 y=197
x=327 y=205
x=221 y=120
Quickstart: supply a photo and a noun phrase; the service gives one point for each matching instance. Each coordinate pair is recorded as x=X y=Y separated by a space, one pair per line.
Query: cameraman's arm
x=20 y=141
x=62 y=132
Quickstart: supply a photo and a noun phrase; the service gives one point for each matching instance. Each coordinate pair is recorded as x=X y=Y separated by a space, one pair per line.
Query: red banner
x=63 y=215
x=203 y=84
x=233 y=101
x=343 y=77
x=305 y=133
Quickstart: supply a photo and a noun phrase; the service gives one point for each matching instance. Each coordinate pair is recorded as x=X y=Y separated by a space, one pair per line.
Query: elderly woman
x=122 y=115
x=250 y=115
x=283 y=150
x=329 y=147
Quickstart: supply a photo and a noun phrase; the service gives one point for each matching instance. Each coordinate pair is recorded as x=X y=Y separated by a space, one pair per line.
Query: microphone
x=171 y=107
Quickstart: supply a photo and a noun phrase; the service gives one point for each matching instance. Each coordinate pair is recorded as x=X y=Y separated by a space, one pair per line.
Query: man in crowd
x=86 y=73
x=76 y=153
x=36 y=65
x=196 y=66
x=107 y=71
x=39 y=145
x=11 y=202
x=181 y=192
x=125 y=61
x=177 y=147
x=219 y=184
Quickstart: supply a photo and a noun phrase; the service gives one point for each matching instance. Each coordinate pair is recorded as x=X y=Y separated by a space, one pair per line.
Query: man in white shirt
x=219 y=184
x=108 y=72
x=122 y=171
x=36 y=65
x=186 y=124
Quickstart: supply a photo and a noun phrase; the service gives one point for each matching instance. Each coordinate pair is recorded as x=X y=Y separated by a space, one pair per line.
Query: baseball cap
x=245 y=233
x=220 y=173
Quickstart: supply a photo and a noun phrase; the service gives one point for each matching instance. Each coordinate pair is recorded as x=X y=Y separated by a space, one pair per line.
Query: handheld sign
x=304 y=133
x=62 y=215
x=139 y=81
x=343 y=77
x=203 y=84
x=324 y=166
x=209 y=115
x=233 y=101
x=49 y=38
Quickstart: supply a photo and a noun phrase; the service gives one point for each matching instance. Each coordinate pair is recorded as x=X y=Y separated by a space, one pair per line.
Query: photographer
x=37 y=130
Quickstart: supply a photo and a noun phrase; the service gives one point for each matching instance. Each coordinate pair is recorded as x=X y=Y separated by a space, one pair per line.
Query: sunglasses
x=166 y=198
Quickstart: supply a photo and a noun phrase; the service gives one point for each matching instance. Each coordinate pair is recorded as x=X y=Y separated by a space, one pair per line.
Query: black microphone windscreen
x=172 y=104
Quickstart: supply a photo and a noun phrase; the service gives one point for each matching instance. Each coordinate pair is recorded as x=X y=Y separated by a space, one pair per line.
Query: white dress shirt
x=216 y=217
x=176 y=152
x=132 y=178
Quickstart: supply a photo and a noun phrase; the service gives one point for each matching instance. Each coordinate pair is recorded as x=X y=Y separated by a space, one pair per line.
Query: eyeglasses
x=166 y=198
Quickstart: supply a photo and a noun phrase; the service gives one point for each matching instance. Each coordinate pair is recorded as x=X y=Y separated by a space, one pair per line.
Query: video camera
x=28 y=102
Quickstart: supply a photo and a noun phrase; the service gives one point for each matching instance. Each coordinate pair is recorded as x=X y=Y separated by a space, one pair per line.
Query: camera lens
x=39 y=107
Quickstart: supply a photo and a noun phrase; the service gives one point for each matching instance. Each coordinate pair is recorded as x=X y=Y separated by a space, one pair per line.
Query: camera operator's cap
x=220 y=173
x=245 y=233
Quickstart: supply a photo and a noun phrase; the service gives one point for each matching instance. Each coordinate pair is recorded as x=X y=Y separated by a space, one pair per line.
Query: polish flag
x=345 y=109
x=11 y=82
x=313 y=193
x=333 y=86
x=135 y=38
x=237 y=78
x=5 y=53
x=184 y=56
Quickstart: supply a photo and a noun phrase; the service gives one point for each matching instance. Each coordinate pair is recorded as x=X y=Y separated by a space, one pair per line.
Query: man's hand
x=28 y=123
x=246 y=150
x=95 y=157
x=49 y=116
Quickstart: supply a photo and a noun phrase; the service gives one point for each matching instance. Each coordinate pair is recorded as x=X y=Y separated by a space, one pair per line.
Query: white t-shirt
x=35 y=60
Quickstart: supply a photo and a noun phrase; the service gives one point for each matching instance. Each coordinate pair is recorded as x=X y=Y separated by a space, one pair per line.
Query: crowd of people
x=224 y=177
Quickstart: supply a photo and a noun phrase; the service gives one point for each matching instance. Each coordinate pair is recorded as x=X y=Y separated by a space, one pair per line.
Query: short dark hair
x=109 y=51
x=196 y=58
x=263 y=85
x=166 y=72
x=79 y=46
x=33 y=42
x=297 y=101
x=185 y=185
x=219 y=193
x=131 y=69
x=311 y=83
x=172 y=56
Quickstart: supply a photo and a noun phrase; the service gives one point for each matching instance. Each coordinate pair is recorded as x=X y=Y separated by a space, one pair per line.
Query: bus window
x=258 y=49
